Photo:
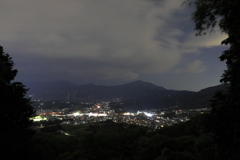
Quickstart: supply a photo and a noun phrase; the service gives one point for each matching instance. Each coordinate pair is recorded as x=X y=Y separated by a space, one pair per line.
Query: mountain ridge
x=145 y=93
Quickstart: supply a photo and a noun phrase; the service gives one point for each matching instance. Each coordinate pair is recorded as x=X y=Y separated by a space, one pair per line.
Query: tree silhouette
x=15 y=110
x=224 y=15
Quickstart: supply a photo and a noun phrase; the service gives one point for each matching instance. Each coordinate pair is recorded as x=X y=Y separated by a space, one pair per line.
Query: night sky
x=109 y=42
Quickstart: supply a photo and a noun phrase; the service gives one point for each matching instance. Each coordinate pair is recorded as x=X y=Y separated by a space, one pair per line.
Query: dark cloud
x=101 y=41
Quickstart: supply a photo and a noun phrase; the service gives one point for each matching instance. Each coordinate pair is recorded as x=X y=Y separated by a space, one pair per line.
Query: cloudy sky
x=109 y=42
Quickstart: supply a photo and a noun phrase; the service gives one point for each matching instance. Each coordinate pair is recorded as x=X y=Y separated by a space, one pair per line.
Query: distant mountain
x=142 y=84
x=137 y=94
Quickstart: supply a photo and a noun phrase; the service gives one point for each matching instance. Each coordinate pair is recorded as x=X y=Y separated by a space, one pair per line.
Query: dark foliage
x=15 y=110
x=122 y=142
x=226 y=104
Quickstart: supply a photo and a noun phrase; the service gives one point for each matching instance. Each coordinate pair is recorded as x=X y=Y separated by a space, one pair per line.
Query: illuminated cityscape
x=101 y=112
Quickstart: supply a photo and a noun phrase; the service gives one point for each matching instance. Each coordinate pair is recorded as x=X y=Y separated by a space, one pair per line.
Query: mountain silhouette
x=134 y=94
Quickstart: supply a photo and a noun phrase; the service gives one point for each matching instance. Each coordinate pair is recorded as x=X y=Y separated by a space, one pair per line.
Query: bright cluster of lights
x=147 y=114
x=77 y=114
x=128 y=114
x=97 y=114
x=89 y=114
x=38 y=118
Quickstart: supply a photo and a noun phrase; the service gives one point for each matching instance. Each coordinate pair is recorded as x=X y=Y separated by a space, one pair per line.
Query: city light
x=38 y=118
x=77 y=114
x=128 y=114
x=97 y=114
x=148 y=114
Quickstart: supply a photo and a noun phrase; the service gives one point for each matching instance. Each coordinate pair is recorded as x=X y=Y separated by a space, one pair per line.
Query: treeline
x=189 y=141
